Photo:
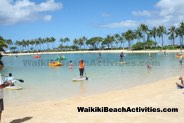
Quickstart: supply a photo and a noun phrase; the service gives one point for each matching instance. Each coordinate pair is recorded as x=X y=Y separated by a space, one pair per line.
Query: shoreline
x=97 y=51
x=160 y=94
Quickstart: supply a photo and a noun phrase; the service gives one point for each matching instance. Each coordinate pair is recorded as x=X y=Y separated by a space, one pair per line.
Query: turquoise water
x=43 y=83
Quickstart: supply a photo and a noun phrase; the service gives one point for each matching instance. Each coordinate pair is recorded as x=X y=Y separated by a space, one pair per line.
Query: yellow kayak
x=55 y=64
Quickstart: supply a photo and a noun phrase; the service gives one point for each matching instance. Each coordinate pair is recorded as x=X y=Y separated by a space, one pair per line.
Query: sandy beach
x=160 y=94
x=96 y=51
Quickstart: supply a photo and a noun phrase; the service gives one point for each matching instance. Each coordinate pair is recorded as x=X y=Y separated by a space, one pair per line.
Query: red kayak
x=37 y=56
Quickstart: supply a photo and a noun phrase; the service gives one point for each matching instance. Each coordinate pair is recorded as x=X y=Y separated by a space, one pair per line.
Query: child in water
x=70 y=65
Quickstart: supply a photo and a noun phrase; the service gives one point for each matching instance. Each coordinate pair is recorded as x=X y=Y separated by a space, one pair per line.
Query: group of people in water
x=81 y=67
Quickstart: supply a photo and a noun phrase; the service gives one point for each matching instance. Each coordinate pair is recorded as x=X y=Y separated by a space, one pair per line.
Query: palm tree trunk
x=162 y=41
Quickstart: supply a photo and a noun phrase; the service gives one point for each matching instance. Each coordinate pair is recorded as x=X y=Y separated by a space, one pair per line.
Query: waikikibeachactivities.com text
x=105 y=62
x=125 y=109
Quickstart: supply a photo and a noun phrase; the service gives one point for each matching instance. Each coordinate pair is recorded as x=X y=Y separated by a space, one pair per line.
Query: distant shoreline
x=96 y=51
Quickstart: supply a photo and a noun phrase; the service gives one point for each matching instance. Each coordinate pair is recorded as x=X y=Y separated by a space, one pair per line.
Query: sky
x=30 y=19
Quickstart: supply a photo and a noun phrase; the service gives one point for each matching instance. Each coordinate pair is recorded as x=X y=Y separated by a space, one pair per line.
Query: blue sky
x=29 y=19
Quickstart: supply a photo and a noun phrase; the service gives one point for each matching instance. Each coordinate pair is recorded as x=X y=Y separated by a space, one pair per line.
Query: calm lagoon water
x=44 y=83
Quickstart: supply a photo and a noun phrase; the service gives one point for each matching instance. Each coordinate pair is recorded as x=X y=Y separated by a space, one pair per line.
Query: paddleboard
x=122 y=62
x=78 y=79
x=14 y=87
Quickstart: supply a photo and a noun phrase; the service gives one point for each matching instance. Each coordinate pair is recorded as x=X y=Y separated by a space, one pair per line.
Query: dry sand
x=161 y=94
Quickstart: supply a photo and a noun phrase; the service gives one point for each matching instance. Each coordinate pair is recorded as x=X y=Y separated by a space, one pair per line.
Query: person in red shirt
x=81 y=68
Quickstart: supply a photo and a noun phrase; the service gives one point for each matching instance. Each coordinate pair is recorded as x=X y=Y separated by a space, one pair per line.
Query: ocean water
x=44 y=83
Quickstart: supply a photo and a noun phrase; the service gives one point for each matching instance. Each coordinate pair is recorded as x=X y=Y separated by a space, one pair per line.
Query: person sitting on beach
x=70 y=65
x=148 y=66
x=10 y=79
x=81 y=68
x=182 y=84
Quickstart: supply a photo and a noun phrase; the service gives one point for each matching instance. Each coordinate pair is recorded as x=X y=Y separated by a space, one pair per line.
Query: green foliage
x=150 y=44
x=140 y=45
x=94 y=41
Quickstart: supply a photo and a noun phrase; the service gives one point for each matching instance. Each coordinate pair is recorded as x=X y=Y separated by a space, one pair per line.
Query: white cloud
x=166 y=12
x=16 y=11
x=142 y=13
x=106 y=15
x=47 y=17
x=127 y=23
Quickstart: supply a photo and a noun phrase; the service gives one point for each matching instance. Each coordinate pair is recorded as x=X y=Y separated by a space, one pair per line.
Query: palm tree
x=160 y=32
x=144 y=29
x=9 y=43
x=52 y=40
x=32 y=42
x=84 y=40
x=182 y=32
x=153 y=33
x=47 y=40
x=108 y=41
x=129 y=36
x=20 y=44
x=63 y=40
x=37 y=42
x=117 y=37
x=75 y=44
x=80 y=42
x=172 y=34
x=13 y=48
x=138 y=34
x=2 y=44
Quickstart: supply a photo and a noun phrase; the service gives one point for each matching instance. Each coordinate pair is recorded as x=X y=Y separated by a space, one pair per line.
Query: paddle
x=86 y=75
x=20 y=80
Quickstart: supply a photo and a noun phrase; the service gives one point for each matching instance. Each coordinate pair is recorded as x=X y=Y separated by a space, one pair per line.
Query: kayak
x=14 y=87
x=55 y=64
x=37 y=56
x=178 y=56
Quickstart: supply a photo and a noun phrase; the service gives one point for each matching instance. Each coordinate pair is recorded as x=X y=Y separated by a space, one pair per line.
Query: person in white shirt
x=10 y=78
x=2 y=85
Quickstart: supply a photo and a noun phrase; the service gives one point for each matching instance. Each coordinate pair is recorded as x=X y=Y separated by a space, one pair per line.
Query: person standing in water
x=70 y=65
x=100 y=56
x=181 y=59
x=122 y=56
x=81 y=68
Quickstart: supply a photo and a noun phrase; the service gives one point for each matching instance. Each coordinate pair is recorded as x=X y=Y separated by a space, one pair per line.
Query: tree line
x=144 y=37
